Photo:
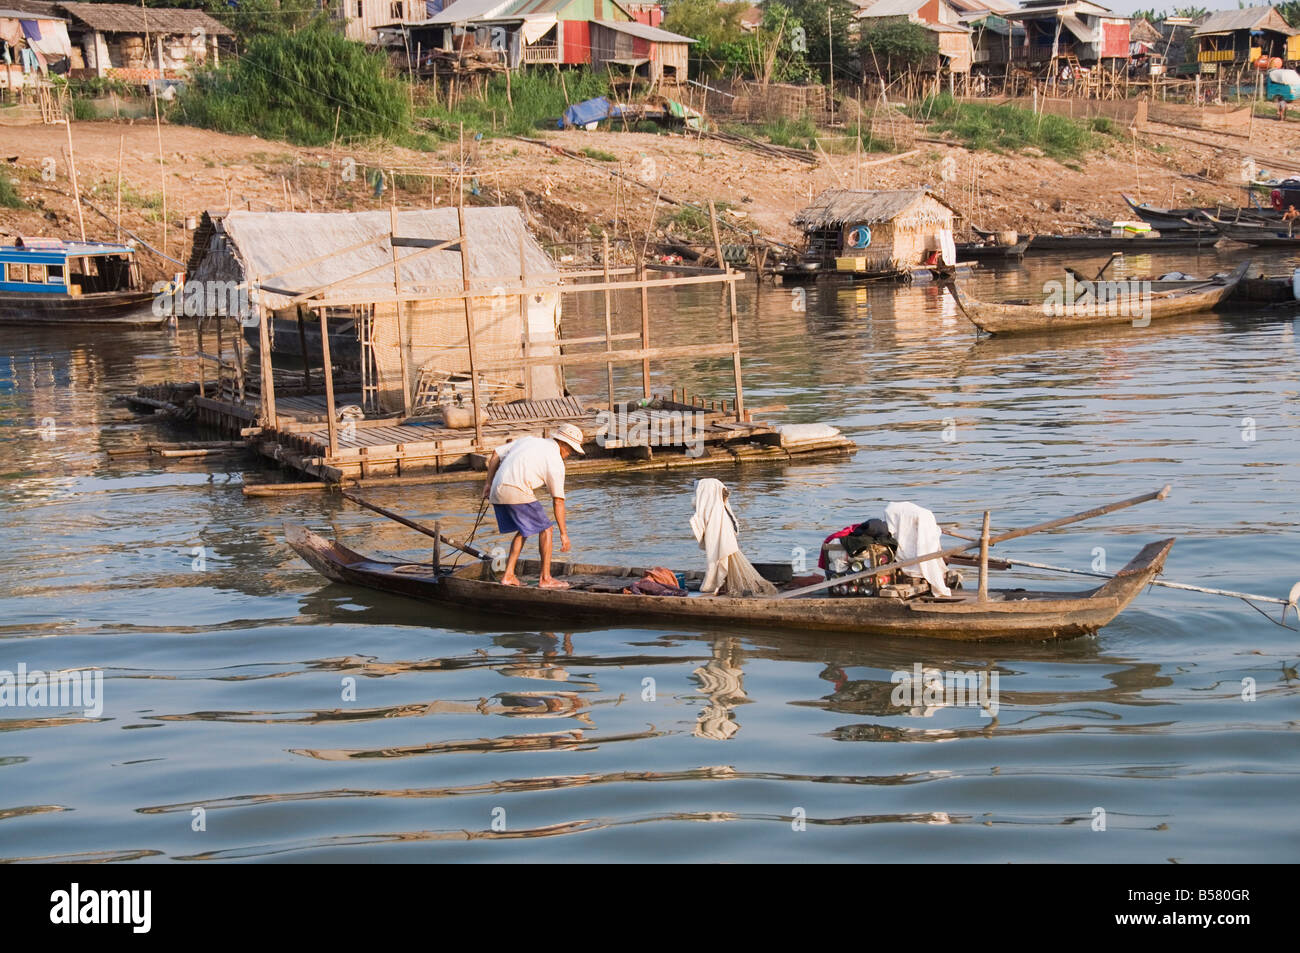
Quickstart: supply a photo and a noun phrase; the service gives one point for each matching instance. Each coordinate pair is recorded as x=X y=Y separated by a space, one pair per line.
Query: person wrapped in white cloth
x=716 y=530
x=918 y=533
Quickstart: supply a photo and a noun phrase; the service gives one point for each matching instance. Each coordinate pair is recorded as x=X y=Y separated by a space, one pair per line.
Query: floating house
x=1077 y=32
x=1236 y=39
x=405 y=352
x=878 y=232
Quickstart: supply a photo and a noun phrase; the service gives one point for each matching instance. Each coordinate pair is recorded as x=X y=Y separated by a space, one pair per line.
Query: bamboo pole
x=265 y=361
x=72 y=174
x=469 y=326
x=984 y=560
x=121 y=142
x=645 y=332
x=397 y=307
x=328 y=367
x=1000 y=538
x=609 y=328
x=523 y=313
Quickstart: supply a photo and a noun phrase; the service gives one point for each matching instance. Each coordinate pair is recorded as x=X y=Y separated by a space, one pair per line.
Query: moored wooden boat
x=45 y=281
x=1167 y=299
x=596 y=595
x=991 y=251
x=1273 y=235
x=1107 y=242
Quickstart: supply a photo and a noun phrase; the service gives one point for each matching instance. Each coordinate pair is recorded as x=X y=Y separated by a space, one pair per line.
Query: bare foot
x=550 y=582
x=510 y=581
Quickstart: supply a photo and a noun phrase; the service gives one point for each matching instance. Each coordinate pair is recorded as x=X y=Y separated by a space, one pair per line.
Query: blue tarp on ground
x=592 y=110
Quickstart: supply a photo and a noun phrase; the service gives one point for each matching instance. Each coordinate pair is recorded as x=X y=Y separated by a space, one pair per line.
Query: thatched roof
x=125 y=18
x=270 y=246
x=1141 y=31
x=1251 y=18
x=835 y=208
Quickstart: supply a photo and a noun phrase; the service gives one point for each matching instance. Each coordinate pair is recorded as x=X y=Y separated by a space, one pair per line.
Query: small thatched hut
x=892 y=231
x=348 y=259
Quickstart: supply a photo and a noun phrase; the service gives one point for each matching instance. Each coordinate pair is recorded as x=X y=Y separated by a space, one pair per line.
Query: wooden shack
x=646 y=52
x=879 y=232
x=1235 y=39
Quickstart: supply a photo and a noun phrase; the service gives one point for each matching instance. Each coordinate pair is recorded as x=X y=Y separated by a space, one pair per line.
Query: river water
x=252 y=711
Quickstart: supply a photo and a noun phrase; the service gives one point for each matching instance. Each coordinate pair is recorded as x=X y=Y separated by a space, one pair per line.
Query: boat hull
x=1008 y=615
x=113 y=307
x=1027 y=318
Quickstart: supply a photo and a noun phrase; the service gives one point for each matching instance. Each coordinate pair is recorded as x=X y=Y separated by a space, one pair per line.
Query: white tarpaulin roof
x=273 y=243
x=536 y=25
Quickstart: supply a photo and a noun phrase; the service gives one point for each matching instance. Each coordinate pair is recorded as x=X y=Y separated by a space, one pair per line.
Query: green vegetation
x=600 y=155
x=1007 y=128
x=897 y=46
x=536 y=98
x=292 y=86
x=776 y=51
x=9 y=197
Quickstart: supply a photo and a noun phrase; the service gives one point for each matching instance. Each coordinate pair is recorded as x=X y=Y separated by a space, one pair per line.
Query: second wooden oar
x=1000 y=538
x=419 y=528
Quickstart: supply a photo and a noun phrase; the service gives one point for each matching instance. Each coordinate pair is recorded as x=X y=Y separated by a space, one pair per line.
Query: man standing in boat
x=516 y=471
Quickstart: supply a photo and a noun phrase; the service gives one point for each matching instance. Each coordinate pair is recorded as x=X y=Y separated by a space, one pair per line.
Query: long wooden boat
x=47 y=281
x=1107 y=242
x=1167 y=220
x=596 y=595
x=1168 y=299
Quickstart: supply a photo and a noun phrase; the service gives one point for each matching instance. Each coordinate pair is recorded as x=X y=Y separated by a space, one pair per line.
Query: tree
x=895 y=46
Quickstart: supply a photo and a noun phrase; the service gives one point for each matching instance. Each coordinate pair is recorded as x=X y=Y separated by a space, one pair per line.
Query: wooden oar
x=467 y=550
x=1000 y=538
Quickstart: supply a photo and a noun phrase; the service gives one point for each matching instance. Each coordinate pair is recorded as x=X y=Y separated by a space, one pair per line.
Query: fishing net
x=743 y=579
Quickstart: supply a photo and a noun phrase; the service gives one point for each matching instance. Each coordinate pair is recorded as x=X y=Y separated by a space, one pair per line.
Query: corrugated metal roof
x=272 y=243
x=835 y=207
x=1251 y=18
x=651 y=33
x=124 y=18
x=462 y=11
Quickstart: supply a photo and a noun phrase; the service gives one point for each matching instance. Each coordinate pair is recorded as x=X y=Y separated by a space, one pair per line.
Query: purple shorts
x=526 y=519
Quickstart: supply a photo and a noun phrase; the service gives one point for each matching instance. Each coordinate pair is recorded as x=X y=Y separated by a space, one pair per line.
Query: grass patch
x=1007 y=128
x=798 y=133
x=686 y=219
x=537 y=98
x=600 y=155
x=9 y=197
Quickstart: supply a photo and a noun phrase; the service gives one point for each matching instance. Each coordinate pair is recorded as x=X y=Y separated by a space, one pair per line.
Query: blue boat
x=48 y=281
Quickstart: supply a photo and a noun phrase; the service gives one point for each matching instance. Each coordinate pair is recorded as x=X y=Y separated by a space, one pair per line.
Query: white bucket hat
x=570 y=434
